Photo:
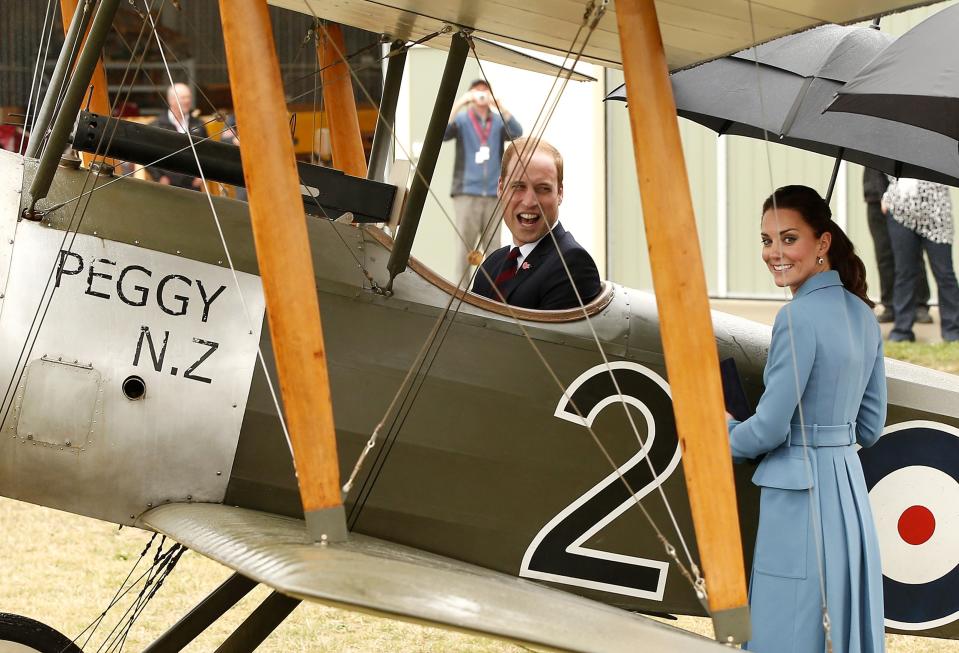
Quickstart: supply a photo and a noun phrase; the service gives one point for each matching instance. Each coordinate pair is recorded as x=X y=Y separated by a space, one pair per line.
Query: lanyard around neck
x=482 y=132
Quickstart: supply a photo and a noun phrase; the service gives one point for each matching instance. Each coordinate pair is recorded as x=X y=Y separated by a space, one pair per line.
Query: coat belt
x=819 y=435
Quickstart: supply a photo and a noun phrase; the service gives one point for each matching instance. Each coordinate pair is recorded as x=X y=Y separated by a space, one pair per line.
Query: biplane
x=542 y=476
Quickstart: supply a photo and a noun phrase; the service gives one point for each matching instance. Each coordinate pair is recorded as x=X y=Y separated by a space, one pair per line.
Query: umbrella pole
x=835 y=174
x=285 y=261
x=685 y=324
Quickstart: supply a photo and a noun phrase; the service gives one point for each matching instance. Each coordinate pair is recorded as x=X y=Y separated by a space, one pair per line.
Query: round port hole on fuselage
x=134 y=388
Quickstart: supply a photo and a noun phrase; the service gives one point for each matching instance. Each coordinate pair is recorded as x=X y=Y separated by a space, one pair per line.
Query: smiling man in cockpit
x=530 y=272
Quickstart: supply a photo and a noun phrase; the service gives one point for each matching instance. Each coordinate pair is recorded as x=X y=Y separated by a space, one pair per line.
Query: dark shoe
x=897 y=335
x=886 y=316
x=922 y=315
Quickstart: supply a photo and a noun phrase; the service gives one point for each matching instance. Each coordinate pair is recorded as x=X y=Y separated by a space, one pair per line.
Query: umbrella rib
x=794 y=109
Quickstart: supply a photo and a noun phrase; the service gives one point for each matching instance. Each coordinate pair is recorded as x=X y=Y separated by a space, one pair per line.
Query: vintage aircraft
x=140 y=378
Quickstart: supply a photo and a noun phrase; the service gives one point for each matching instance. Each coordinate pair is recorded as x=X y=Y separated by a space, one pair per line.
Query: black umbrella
x=914 y=81
x=784 y=95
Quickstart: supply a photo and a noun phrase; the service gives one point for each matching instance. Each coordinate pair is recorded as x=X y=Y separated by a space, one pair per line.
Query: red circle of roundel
x=916 y=525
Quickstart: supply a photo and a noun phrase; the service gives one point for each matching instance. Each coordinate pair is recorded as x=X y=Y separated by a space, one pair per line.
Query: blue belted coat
x=825 y=391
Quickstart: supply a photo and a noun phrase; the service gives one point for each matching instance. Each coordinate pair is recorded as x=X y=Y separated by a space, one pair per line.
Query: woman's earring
x=819 y=261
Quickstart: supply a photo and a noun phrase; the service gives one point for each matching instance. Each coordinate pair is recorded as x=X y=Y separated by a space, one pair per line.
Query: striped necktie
x=509 y=268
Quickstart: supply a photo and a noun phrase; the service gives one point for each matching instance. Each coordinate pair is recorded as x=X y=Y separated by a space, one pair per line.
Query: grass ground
x=938 y=355
x=63 y=569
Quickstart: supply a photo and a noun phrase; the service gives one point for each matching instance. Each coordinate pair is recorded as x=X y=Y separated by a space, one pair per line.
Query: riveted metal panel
x=112 y=311
x=69 y=421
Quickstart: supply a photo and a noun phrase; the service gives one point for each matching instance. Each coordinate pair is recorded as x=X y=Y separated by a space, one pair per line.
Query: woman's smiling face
x=791 y=249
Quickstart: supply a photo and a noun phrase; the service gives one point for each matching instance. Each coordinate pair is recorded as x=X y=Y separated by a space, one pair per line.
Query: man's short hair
x=521 y=145
x=478 y=82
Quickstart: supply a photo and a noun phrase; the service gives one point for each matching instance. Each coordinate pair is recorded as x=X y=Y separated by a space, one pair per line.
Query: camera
x=480 y=96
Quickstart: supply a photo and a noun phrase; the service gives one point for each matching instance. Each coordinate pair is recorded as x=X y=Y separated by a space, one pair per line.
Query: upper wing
x=501 y=54
x=379 y=576
x=693 y=30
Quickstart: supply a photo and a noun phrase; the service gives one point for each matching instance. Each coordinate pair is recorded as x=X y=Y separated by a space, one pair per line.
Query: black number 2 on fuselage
x=557 y=553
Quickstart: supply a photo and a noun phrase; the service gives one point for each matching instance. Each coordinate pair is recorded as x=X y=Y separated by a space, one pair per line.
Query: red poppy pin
x=526 y=265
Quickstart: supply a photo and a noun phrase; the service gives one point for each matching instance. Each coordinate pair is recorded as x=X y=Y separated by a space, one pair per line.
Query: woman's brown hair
x=842 y=253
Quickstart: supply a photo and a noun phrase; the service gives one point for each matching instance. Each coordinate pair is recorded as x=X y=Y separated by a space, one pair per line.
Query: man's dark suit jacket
x=544 y=284
x=197 y=129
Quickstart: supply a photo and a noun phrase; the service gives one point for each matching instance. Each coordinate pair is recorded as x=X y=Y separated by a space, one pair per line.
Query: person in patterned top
x=874 y=185
x=920 y=218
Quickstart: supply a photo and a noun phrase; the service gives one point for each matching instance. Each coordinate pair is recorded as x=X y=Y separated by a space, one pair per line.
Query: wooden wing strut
x=681 y=296
x=285 y=260
x=345 y=137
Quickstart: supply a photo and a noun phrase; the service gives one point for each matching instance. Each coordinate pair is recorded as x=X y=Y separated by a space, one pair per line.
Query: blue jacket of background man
x=469 y=177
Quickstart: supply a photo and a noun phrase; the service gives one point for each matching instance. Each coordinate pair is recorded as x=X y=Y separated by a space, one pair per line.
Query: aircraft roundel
x=913 y=478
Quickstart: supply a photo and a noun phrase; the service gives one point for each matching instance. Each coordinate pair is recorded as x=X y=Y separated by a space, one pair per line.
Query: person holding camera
x=481 y=127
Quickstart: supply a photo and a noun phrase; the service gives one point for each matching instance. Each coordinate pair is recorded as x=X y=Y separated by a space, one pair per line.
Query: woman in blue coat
x=817 y=553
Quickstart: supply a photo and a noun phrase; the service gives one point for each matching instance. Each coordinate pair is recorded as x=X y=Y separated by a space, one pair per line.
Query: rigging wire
x=285 y=80
x=160 y=557
x=37 y=80
x=149 y=581
x=535 y=140
x=700 y=582
x=449 y=220
x=165 y=561
x=217 y=117
x=261 y=358
x=69 y=232
x=359 y=264
x=147 y=593
x=376 y=63
x=550 y=113
x=226 y=249
x=85 y=6
x=270 y=384
x=514 y=317
x=134 y=171
x=120 y=593
x=807 y=465
x=591 y=17
x=219 y=229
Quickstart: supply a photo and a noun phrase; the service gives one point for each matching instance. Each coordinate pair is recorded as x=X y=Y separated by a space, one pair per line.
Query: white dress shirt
x=176 y=123
x=526 y=248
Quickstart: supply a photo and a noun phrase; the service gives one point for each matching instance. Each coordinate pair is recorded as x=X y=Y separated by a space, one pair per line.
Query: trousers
x=885 y=261
x=907 y=248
